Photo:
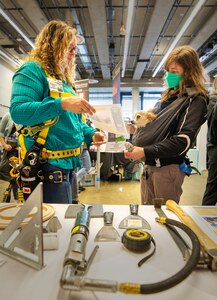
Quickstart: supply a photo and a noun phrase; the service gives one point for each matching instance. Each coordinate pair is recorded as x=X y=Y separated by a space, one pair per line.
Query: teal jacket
x=32 y=105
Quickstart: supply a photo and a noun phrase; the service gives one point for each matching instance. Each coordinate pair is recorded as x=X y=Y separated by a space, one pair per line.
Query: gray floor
x=126 y=192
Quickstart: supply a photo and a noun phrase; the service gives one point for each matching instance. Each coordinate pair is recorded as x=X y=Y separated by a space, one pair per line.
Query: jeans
x=58 y=192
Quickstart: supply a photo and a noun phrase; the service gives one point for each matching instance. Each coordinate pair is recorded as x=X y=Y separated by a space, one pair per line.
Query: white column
x=135 y=97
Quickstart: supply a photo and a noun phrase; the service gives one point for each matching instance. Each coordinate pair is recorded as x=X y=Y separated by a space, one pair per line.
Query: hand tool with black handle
x=178 y=239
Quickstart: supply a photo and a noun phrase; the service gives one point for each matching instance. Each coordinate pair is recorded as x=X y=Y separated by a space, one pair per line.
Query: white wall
x=6 y=74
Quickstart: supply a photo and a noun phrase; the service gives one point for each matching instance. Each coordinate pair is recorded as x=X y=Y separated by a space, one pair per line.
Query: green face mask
x=172 y=80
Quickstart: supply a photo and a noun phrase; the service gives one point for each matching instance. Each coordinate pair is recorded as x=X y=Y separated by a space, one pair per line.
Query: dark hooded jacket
x=167 y=139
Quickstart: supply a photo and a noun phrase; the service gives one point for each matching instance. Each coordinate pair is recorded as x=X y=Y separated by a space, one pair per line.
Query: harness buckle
x=60 y=174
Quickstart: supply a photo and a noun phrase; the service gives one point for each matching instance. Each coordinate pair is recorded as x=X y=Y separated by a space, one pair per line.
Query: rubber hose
x=184 y=272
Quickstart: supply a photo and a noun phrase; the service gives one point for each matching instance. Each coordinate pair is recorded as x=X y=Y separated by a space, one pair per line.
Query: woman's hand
x=77 y=105
x=136 y=154
x=99 y=138
x=131 y=128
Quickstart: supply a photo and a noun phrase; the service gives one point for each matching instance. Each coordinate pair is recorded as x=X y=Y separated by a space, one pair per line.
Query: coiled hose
x=132 y=288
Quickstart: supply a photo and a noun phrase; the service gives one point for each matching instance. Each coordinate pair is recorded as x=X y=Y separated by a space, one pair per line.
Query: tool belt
x=54 y=176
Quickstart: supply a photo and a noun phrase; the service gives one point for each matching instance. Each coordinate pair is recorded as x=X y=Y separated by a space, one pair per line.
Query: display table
x=112 y=262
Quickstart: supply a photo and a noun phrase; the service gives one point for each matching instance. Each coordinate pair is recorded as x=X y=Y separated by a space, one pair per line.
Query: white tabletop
x=112 y=262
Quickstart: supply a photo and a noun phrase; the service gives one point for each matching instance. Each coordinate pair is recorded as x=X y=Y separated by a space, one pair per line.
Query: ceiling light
x=180 y=34
x=7 y=18
x=92 y=81
x=130 y=15
x=91 y=78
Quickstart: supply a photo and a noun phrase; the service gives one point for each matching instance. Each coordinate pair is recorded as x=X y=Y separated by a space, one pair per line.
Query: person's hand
x=131 y=128
x=136 y=154
x=7 y=147
x=99 y=138
x=77 y=105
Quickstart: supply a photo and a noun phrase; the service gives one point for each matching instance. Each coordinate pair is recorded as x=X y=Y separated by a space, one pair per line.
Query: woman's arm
x=30 y=100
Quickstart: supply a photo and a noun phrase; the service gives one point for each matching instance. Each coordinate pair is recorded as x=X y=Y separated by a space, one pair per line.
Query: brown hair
x=193 y=76
x=50 y=49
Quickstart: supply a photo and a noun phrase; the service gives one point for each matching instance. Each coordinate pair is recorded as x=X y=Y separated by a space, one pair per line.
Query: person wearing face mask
x=44 y=101
x=164 y=142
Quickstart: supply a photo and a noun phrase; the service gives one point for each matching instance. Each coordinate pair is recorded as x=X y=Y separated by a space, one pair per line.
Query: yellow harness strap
x=43 y=130
x=59 y=95
x=48 y=154
x=22 y=148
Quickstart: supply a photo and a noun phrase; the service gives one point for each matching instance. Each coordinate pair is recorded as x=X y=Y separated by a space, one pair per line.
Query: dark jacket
x=212 y=119
x=167 y=139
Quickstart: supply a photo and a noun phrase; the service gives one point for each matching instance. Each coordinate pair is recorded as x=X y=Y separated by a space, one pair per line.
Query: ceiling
x=151 y=29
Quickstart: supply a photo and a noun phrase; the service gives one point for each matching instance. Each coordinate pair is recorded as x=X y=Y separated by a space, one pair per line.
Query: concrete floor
x=126 y=192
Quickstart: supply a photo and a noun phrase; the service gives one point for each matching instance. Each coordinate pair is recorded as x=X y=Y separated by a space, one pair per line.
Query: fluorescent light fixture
x=7 y=58
x=130 y=13
x=179 y=35
x=7 y=18
x=92 y=81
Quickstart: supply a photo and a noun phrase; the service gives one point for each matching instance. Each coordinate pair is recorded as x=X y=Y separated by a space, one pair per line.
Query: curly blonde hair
x=51 y=46
x=194 y=74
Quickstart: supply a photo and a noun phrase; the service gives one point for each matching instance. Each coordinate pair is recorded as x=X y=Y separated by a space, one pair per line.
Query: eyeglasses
x=74 y=48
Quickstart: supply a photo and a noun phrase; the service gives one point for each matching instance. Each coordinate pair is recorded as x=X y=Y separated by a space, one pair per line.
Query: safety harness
x=29 y=171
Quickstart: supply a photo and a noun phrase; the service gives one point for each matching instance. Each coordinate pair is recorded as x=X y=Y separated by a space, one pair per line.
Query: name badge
x=55 y=85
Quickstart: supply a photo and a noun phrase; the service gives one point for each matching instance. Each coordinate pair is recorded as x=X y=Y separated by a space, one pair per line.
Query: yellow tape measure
x=136 y=240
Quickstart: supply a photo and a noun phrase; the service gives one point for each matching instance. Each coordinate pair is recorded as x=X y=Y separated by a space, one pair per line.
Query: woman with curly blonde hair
x=43 y=94
x=164 y=142
x=50 y=50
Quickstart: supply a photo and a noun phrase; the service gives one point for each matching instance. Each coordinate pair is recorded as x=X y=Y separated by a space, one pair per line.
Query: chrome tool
x=107 y=232
x=134 y=220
